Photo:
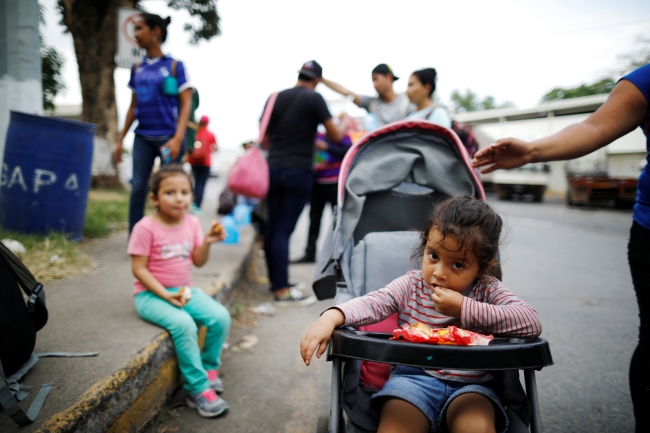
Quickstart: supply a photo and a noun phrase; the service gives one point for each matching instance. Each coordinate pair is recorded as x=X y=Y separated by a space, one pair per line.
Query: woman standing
x=161 y=104
x=421 y=86
x=626 y=108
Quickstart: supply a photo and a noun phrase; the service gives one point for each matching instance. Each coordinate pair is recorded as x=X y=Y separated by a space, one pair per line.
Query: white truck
x=530 y=180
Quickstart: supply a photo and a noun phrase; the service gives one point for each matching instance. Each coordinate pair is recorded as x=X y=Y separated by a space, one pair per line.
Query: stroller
x=389 y=182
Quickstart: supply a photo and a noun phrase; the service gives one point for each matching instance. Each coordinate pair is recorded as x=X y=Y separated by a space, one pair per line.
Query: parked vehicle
x=531 y=179
x=606 y=176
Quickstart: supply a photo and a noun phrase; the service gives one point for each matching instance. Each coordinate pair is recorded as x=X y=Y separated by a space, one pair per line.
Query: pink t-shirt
x=169 y=250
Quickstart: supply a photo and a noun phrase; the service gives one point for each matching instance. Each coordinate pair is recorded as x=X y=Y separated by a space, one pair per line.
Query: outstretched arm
x=319 y=334
x=623 y=111
x=342 y=90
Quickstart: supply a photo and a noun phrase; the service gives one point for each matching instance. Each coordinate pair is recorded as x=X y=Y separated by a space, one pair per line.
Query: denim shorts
x=433 y=396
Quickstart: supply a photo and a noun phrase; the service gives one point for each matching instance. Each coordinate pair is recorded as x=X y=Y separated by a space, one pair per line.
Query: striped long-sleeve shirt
x=488 y=307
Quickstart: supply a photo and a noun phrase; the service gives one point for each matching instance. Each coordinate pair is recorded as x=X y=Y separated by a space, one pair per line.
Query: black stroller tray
x=501 y=354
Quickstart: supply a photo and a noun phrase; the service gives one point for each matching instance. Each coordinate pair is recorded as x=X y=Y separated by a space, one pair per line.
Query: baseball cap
x=205 y=119
x=311 y=69
x=384 y=69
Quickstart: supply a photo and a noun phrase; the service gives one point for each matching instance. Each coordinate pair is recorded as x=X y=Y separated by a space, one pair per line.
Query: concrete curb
x=128 y=399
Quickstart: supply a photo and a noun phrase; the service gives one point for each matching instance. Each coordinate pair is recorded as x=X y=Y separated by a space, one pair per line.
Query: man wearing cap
x=205 y=143
x=387 y=106
x=291 y=134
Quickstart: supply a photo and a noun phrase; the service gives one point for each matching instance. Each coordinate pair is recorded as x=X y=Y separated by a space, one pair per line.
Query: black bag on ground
x=19 y=321
x=227 y=201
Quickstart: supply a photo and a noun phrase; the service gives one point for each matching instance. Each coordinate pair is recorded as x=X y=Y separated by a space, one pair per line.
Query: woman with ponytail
x=421 y=86
x=160 y=103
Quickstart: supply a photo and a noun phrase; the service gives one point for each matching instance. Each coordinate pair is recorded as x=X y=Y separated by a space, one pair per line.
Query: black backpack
x=19 y=321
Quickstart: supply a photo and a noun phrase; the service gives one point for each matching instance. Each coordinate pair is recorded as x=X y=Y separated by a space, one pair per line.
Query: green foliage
x=52 y=80
x=51 y=66
x=208 y=18
x=604 y=85
x=470 y=101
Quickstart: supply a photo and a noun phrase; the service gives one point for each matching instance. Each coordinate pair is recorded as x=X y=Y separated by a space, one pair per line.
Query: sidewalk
x=123 y=387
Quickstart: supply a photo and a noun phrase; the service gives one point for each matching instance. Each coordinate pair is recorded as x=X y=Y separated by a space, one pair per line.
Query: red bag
x=420 y=333
x=250 y=175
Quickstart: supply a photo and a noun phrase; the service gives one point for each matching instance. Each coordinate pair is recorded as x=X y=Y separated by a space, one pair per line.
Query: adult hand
x=175 y=299
x=174 y=146
x=321 y=145
x=117 y=153
x=447 y=301
x=505 y=153
x=319 y=334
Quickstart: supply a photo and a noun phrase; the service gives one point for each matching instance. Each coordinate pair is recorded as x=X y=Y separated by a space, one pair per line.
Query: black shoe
x=305 y=259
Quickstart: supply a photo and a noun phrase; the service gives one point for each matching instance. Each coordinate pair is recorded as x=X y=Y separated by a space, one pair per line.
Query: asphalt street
x=569 y=263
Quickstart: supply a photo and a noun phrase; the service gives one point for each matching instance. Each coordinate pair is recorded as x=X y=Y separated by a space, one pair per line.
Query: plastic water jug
x=232 y=230
x=242 y=214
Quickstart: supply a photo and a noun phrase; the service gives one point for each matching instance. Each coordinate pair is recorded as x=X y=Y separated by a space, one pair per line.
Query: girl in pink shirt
x=163 y=248
x=458 y=247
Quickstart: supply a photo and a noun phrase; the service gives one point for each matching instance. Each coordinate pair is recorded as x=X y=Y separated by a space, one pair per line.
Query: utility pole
x=20 y=62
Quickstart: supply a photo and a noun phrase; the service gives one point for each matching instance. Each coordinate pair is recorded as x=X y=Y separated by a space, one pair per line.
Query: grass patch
x=53 y=257
x=107 y=211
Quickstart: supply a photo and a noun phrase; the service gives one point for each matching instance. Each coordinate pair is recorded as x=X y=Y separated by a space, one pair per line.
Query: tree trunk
x=93 y=25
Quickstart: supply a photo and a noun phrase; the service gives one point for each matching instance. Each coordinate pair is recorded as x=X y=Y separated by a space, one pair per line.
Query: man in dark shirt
x=291 y=134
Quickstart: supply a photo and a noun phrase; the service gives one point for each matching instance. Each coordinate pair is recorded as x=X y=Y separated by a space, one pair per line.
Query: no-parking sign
x=128 y=51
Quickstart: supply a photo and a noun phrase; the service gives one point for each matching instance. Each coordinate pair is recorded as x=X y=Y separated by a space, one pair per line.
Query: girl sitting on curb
x=163 y=248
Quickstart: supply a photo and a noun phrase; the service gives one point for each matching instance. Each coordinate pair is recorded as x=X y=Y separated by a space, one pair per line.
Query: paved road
x=569 y=263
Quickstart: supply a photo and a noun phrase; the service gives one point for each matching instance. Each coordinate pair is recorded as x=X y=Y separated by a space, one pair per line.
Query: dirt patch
x=106 y=195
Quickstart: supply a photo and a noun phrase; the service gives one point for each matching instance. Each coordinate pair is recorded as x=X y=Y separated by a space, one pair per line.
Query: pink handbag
x=250 y=174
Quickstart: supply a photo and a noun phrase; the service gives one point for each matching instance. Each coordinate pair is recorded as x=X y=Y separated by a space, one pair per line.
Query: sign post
x=128 y=51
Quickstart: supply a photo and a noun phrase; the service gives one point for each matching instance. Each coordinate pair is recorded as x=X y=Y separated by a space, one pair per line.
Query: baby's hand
x=447 y=301
x=176 y=299
x=216 y=234
x=319 y=334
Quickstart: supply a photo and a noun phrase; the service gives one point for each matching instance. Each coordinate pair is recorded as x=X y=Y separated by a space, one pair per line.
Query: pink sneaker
x=207 y=403
x=215 y=381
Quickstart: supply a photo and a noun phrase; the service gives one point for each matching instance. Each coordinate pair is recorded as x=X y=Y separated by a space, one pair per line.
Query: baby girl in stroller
x=459 y=245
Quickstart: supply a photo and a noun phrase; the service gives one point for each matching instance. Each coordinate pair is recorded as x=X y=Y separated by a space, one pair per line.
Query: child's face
x=174 y=196
x=443 y=265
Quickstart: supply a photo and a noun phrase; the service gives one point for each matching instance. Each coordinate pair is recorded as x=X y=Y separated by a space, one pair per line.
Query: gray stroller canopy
x=396 y=177
x=389 y=182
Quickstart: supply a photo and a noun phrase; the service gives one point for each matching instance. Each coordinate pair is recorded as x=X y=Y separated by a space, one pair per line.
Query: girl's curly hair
x=473 y=223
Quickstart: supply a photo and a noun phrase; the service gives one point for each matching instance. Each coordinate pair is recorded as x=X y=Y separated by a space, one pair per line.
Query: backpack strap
x=173 y=68
x=10 y=405
x=32 y=288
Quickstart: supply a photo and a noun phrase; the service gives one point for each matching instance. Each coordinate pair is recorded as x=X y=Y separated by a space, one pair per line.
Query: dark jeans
x=322 y=194
x=201 y=174
x=288 y=193
x=638 y=255
x=144 y=153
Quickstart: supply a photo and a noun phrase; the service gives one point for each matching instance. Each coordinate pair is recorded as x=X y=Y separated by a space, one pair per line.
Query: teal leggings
x=182 y=325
